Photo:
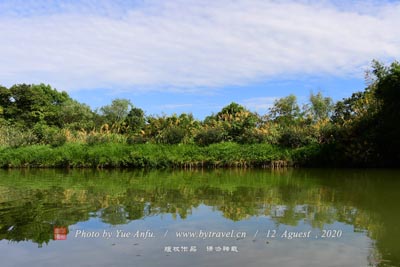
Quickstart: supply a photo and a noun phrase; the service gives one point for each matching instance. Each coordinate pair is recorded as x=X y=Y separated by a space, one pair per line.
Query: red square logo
x=60 y=233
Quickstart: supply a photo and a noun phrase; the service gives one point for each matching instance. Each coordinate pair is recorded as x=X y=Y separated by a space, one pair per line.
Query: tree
x=27 y=105
x=388 y=94
x=135 y=120
x=366 y=124
x=5 y=96
x=235 y=119
x=320 y=107
x=76 y=116
x=171 y=129
x=285 y=110
x=358 y=107
x=116 y=113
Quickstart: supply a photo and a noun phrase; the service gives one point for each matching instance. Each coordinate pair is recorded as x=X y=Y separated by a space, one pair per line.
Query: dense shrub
x=136 y=139
x=295 y=137
x=171 y=135
x=207 y=136
x=11 y=136
x=98 y=138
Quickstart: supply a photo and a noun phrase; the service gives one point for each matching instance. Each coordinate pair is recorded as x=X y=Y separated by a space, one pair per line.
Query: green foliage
x=97 y=138
x=358 y=107
x=116 y=113
x=210 y=135
x=29 y=104
x=320 y=107
x=285 y=110
x=366 y=124
x=111 y=154
x=171 y=129
x=76 y=116
x=309 y=155
x=172 y=135
x=295 y=137
x=235 y=120
x=388 y=94
x=253 y=136
x=293 y=129
x=12 y=136
x=135 y=120
x=49 y=135
x=136 y=139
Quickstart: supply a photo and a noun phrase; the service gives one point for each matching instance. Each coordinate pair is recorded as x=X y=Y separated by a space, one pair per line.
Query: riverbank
x=114 y=155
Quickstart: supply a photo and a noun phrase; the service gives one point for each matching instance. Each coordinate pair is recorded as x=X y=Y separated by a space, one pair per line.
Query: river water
x=200 y=218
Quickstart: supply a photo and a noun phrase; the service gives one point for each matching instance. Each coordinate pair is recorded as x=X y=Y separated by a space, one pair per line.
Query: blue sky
x=196 y=56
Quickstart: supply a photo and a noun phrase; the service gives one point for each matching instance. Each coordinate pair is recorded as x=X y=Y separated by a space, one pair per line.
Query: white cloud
x=195 y=45
x=175 y=106
x=259 y=104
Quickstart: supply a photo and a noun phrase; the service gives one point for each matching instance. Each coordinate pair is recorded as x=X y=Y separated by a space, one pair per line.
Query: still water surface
x=200 y=218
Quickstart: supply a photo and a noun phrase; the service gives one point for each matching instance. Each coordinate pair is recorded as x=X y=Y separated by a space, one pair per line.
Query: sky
x=196 y=56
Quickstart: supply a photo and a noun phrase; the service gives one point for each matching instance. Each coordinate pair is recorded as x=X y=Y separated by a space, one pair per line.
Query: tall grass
x=121 y=155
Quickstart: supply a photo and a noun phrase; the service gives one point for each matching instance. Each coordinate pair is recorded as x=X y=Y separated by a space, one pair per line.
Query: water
x=200 y=218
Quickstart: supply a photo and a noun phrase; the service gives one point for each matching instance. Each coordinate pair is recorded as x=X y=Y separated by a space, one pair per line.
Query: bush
x=16 y=137
x=252 y=136
x=295 y=137
x=208 y=136
x=136 y=139
x=307 y=155
x=172 y=135
x=49 y=135
x=99 y=138
x=95 y=139
x=58 y=139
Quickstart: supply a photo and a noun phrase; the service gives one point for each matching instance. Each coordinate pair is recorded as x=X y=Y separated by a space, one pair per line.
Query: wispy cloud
x=175 y=106
x=190 y=45
x=259 y=104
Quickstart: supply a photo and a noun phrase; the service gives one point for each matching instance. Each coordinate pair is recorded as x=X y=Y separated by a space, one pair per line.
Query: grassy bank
x=115 y=155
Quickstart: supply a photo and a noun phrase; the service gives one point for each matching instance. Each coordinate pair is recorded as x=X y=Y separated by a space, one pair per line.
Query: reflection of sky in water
x=349 y=250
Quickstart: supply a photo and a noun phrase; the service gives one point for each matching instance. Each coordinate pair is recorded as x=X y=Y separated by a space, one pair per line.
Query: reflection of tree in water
x=34 y=213
x=30 y=207
x=114 y=214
